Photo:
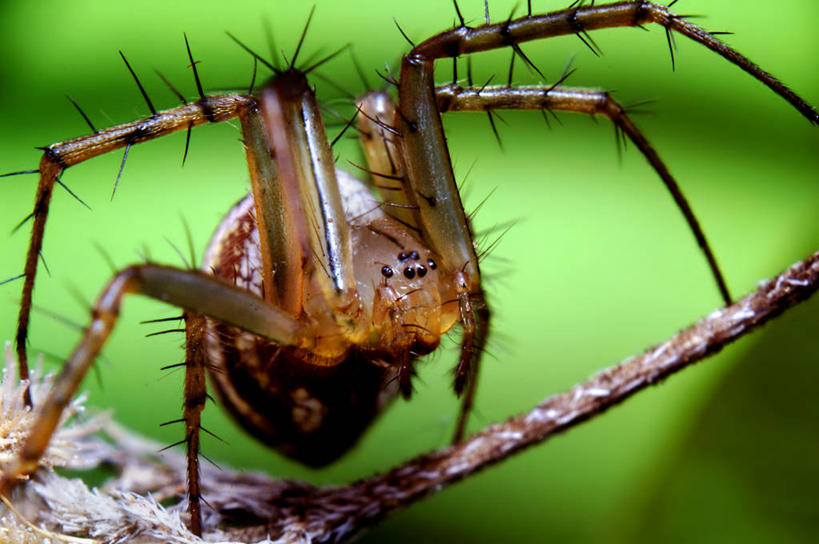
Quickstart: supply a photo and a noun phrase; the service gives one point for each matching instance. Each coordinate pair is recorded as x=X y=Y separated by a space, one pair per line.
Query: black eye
x=403 y=256
x=409 y=272
x=432 y=264
x=422 y=271
x=414 y=255
x=386 y=271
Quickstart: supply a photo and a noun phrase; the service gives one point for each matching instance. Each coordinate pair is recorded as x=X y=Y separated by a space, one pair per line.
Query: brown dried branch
x=336 y=513
x=292 y=511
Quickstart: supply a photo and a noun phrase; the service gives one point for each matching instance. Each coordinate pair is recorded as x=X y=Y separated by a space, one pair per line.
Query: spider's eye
x=422 y=271
x=414 y=255
x=386 y=271
x=432 y=264
x=409 y=272
x=403 y=256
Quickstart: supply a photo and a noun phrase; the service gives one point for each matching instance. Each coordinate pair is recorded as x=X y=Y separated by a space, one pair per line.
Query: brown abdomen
x=311 y=413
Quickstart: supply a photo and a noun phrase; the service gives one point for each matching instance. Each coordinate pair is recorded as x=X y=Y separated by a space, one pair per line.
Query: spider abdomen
x=311 y=413
x=310 y=409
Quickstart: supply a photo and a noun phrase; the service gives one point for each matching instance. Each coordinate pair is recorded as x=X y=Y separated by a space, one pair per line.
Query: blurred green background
x=599 y=266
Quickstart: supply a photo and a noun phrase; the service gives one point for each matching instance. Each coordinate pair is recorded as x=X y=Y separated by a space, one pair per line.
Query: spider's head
x=399 y=281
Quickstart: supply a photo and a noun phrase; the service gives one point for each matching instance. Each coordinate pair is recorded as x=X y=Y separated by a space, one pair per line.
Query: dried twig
x=344 y=511
x=297 y=512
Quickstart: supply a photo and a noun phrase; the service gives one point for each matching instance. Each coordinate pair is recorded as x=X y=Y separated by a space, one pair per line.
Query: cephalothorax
x=315 y=298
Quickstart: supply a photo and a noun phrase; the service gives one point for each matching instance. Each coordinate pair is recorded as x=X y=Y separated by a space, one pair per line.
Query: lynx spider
x=474 y=24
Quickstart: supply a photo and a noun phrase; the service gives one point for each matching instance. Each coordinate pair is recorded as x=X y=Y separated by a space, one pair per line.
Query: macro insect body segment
x=316 y=280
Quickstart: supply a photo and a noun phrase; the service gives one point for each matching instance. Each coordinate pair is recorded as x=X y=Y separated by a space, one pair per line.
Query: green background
x=599 y=266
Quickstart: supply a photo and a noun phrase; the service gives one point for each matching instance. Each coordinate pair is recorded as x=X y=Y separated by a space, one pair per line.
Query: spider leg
x=591 y=102
x=196 y=291
x=297 y=197
x=475 y=326
x=57 y=157
x=428 y=167
x=381 y=142
x=580 y=19
x=196 y=394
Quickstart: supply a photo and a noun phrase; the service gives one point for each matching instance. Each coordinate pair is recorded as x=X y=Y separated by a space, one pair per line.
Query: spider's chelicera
x=314 y=298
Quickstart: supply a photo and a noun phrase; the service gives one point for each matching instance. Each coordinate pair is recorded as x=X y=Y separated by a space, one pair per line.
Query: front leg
x=196 y=394
x=60 y=156
x=193 y=290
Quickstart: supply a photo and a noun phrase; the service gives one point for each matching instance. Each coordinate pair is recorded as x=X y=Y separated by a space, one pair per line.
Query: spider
x=473 y=23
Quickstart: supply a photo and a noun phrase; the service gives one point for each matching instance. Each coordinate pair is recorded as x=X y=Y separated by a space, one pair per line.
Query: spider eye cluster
x=411 y=268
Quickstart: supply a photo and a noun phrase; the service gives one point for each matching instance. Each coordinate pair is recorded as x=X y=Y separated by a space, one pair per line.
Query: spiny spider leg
x=57 y=157
x=196 y=394
x=463 y=40
x=300 y=186
x=592 y=102
x=385 y=157
x=428 y=166
x=185 y=288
